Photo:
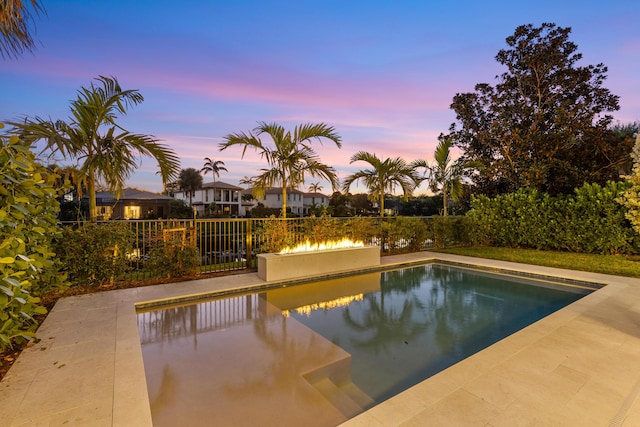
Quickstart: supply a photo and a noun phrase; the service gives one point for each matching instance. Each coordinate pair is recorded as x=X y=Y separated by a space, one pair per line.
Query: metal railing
x=162 y=325
x=233 y=244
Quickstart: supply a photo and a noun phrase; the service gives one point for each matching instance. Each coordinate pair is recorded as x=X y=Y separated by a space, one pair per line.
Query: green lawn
x=619 y=265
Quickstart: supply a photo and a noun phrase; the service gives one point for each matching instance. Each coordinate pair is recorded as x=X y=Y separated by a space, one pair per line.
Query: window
x=104 y=212
x=132 y=212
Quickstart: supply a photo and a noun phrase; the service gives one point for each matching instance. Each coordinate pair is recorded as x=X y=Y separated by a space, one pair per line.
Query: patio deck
x=579 y=366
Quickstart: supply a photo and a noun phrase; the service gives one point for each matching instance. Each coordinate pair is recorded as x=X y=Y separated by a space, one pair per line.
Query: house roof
x=131 y=194
x=222 y=185
x=278 y=190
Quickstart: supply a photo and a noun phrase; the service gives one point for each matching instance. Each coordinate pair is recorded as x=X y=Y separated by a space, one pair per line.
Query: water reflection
x=285 y=355
x=247 y=355
x=381 y=325
x=277 y=352
x=425 y=319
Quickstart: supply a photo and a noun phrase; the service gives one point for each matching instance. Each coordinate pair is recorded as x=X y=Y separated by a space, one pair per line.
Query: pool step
x=347 y=398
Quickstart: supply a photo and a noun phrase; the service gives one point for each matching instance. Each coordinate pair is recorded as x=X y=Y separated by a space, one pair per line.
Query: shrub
x=403 y=234
x=322 y=229
x=95 y=253
x=179 y=209
x=276 y=235
x=450 y=231
x=630 y=198
x=589 y=221
x=173 y=259
x=359 y=228
x=28 y=222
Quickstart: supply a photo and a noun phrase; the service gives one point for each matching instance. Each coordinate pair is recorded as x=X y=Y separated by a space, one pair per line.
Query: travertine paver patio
x=579 y=366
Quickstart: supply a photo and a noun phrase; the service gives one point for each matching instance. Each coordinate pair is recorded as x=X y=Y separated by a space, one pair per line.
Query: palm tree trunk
x=284 y=201
x=91 y=189
x=444 y=199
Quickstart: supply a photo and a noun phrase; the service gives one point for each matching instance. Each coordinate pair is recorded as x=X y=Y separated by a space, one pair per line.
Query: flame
x=324 y=246
x=326 y=305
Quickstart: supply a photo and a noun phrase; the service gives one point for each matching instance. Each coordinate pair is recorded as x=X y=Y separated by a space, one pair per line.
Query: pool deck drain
x=578 y=366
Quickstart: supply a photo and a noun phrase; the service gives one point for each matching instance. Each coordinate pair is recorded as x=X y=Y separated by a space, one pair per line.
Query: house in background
x=133 y=204
x=314 y=201
x=300 y=203
x=215 y=197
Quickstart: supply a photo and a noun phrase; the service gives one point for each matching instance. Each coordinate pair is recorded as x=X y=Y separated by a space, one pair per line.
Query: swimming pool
x=320 y=353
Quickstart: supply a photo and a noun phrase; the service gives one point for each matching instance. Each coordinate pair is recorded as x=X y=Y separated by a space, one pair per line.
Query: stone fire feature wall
x=274 y=267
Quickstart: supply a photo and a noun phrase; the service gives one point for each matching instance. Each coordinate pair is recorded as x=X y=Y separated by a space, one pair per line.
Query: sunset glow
x=383 y=74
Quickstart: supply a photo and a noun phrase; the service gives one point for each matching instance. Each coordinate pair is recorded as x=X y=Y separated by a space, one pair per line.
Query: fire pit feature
x=317 y=259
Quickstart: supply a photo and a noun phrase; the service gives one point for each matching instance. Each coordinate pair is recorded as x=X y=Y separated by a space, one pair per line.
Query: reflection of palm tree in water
x=456 y=312
x=391 y=326
x=167 y=391
x=174 y=323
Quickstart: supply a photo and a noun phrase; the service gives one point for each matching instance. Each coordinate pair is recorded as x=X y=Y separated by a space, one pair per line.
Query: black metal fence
x=232 y=244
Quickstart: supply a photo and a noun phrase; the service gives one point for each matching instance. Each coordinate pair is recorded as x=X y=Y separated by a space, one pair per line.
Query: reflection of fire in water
x=323 y=246
x=326 y=305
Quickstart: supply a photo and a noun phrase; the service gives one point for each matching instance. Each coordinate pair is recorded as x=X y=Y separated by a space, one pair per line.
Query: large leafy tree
x=444 y=174
x=105 y=151
x=545 y=123
x=213 y=166
x=290 y=158
x=16 y=29
x=190 y=181
x=383 y=177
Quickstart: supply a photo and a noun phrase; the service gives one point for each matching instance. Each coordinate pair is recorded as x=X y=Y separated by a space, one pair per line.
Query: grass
x=617 y=265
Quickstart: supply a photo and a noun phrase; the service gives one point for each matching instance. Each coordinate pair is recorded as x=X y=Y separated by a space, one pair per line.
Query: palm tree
x=315 y=187
x=190 y=181
x=246 y=181
x=291 y=158
x=214 y=167
x=444 y=174
x=105 y=150
x=15 y=34
x=383 y=177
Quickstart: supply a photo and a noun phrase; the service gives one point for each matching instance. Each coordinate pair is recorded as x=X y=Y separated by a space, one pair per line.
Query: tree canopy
x=444 y=174
x=383 y=176
x=290 y=158
x=545 y=124
x=190 y=181
x=16 y=20
x=213 y=166
x=104 y=149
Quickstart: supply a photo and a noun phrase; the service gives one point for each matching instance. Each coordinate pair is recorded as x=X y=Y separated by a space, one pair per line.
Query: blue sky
x=382 y=73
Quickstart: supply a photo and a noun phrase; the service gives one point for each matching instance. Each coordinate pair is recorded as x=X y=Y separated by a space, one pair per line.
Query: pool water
x=318 y=354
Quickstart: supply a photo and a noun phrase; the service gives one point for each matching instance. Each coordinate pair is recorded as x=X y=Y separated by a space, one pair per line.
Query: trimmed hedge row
x=589 y=221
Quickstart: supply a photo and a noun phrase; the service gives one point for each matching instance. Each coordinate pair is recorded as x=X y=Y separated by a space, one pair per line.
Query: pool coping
x=88 y=370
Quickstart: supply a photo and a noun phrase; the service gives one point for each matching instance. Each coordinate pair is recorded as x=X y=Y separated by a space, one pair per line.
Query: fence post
x=249 y=242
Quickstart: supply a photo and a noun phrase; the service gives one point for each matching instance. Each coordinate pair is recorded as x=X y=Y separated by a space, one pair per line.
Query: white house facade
x=300 y=203
x=215 y=197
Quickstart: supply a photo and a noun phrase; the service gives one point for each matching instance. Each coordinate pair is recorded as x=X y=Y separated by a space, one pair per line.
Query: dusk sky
x=383 y=73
